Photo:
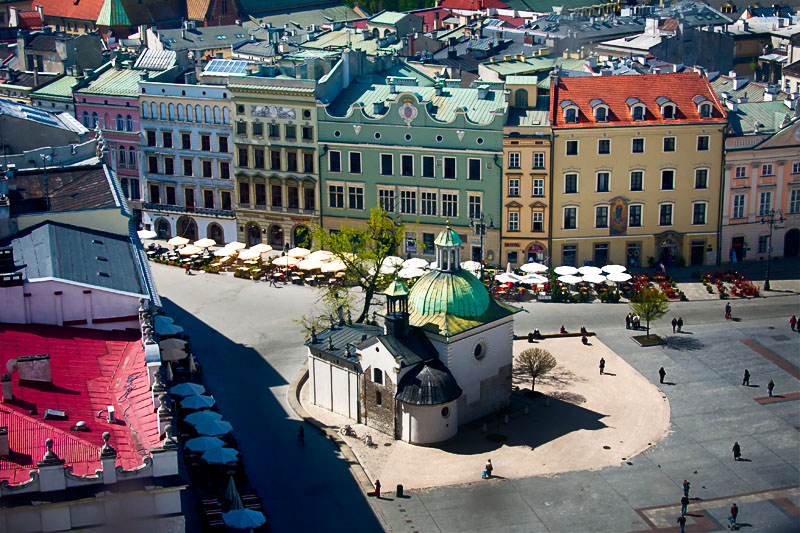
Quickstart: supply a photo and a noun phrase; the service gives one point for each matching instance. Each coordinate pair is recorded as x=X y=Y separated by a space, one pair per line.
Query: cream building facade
x=636 y=170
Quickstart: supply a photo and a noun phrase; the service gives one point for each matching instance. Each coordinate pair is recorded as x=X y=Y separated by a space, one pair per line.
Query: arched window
x=198 y=113
x=124 y=183
x=128 y=123
x=86 y=119
x=132 y=157
x=145 y=109
x=377 y=376
x=600 y=114
x=120 y=123
x=121 y=156
x=189 y=113
x=705 y=111
x=571 y=115
x=226 y=115
x=214 y=231
x=172 y=111
x=180 y=112
x=153 y=110
x=163 y=111
x=106 y=121
x=216 y=115
x=521 y=98
x=94 y=119
x=207 y=114
x=668 y=111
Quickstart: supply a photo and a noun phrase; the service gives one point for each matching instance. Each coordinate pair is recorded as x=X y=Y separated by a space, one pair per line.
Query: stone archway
x=276 y=238
x=187 y=227
x=252 y=234
x=301 y=236
x=537 y=252
x=163 y=228
x=214 y=231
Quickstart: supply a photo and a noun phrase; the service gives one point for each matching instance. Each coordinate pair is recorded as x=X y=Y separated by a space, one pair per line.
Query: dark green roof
x=396 y=288
x=113 y=14
x=448 y=237
x=447 y=324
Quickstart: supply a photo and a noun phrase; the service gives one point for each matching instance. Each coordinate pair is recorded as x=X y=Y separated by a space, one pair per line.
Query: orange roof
x=686 y=90
x=197 y=9
x=74 y=9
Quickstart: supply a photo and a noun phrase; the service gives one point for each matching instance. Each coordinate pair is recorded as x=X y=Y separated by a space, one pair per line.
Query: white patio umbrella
x=565 y=270
x=505 y=277
x=415 y=262
x=173 y=355
x=434 y=265
x=570 y=279
x=393 y=260
x=178 y=241
x=533 y=279
x=472 y=266
x=619 y=276
x=589 y=270
x=321 y=255
x=594 y=278
x=613 y=268
x=309 y=264
x=334 y=266
x=224 y=252
x=164 y=325
x=298 y=252
x=236 y=245
x=411 y=272
x=248 y=255
x=261 y=248
x=205 y=243
x=190 y=249
x=147 y=234
x=285 y=261
x=533 y=268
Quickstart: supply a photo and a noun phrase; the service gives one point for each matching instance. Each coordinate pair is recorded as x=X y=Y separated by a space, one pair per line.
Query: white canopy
x=146 y=234
x=594 y=278
x=533 y=267
x=309 y=264
x=261 y=248
x=505 y=277
x=224 y=252
x=334 y=266
x=249 y=255
x=415 y=262
x=178 y=241
x=321 y=255
x=411 y=272
x=285 y=261
x=298 y=252
x=205 y=243
x=190 y=249
x=619 y=276
x=533 y=279
x=589 y=270
x=236 y=245
x=565 y=270
x=613 y=268
x=393 y=260
x=570 y=279
x=472 y=266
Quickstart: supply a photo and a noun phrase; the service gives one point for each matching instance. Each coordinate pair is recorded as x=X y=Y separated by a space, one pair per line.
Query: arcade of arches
x=276 y=236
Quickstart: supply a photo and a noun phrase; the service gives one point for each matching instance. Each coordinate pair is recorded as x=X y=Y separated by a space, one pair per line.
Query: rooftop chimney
x=483 y=92
x=35 y=368
x=5 y=379
x=5 y=451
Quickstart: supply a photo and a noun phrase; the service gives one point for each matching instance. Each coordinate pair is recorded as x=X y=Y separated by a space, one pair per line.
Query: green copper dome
x=457 y=293
x=448 y=237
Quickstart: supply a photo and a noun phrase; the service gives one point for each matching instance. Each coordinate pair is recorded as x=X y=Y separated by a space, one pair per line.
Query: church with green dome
x=442 y=359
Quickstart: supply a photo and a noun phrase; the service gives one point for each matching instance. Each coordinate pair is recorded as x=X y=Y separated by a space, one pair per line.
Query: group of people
x=734 y=510
x=632 y=321
x=677 y=323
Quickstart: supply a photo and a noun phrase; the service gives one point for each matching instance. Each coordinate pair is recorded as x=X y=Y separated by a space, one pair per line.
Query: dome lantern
x=448 y=250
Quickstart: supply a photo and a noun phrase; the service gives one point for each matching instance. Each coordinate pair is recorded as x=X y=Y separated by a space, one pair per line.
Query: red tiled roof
x=74 y=9
x=473 y=5
x=514 y=21
x=30 y=21
x=681 y=88
x=428 y=16
x=91 y=369
x=668 y=25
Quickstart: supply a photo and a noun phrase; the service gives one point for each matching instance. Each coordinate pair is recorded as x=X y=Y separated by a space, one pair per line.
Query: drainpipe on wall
x=721 y=198
x=551 y=195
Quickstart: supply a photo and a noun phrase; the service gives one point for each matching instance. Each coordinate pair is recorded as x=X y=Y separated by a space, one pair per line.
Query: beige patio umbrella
x=172 y=344
x=178 y=241
x=285 y=261
x=261 y=248
x=173 y=355
x=298 y=252
x=224 y=252
x=321 y=255
x=205 y=243
x=334 y=266
x=190 y=249
x=309 y=264
x=247 y=255
x=236 y=245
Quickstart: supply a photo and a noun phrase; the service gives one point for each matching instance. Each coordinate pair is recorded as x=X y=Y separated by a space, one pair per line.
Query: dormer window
x=705 y=110
x=570 y=110
x=667 y=107
x=600 y=109
x=703 y=106
x=637 y=108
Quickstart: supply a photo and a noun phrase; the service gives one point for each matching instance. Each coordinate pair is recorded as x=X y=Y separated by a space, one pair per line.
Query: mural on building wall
x=269 y=111
x=618 y=216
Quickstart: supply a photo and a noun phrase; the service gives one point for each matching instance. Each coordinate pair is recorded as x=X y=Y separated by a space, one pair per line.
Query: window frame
x=513 y=187
x=695 y=205
x=514 y=160
x=391 y=164
x=568 y=144
x=674 y=143
x=331 y=168
x=352 y=157
x=564 y=210
x=445 y=161
x=338 y=194
x=513 y=220
x=633 y=145
x=576 y=189
x=608 y=146
x=703 y=146
x=640 y=215
x=741 y=208
x=661 y=208
x=535 y=187
x=672 y=186
x=426 y=158
x=597 y=217
x=697 y=173
x=425 y=203
x=538 y=155
x=403 y=159
x=607 y=175
x=470 y=163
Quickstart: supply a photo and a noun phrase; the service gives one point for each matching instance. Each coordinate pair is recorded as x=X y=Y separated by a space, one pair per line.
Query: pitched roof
x=685 y=90
x=91 y=369
x=342 y=337
x=429 y=383
x=80 y=256
x=74 y=9
x=197 y=9
x=752 y=91
x=768 y=116
x=448 y=324
x=792 y=70
x=30 y=20
x=69 y=190
x=388 y=17
x=60 y=89
x=253 y=7
x=113 y=14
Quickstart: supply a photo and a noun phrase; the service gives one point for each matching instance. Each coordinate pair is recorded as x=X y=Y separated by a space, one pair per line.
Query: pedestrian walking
x=737 y=451
x=684 y=504
x=746 y=378
x=793 y=322
x=680 y=323
x=734 y=514
x=628 y=321
x=674 y=324
x=602 y=365
x=272 y=281
x=187 y=270
x=378 y=488
x=686 y=487
x=662 y=374
x=682 y=522
x=487 y=470
x=728 y=310
x=770 y=387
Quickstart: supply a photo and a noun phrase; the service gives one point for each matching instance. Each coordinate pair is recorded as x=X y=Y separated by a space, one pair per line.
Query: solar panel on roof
x=226 y=66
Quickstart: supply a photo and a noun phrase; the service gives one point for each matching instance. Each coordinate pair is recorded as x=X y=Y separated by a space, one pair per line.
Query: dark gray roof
x=410 y=349
x=78 y=255
x=210 y=37
x=69 y=189
x=349 y=334
x=429 y=383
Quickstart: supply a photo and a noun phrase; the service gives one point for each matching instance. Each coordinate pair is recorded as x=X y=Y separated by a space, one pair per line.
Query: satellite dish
x=11 y=366
x=80 y=424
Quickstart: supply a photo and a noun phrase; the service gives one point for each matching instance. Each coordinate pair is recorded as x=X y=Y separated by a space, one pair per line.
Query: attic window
x=377 y=376
x=600 y=110
x=571 y=115
x=705 y=111
x=637 y=112
x=101 y=258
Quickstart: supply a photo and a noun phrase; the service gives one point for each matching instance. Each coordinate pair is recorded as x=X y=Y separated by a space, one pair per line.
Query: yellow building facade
x=637 y=166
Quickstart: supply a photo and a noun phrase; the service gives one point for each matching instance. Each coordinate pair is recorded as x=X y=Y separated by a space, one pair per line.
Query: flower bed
x=730 y=284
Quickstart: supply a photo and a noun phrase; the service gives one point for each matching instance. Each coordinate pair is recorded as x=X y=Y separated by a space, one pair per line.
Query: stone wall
x=380 y=417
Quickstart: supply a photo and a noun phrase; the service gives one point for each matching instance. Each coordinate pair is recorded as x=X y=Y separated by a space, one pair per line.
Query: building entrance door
x=737 y=249
x=791 y=243
x=698 y=250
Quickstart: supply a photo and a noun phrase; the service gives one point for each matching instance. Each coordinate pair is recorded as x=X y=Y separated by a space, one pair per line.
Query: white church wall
x=333 y=388
x=340 y=384
x=322 y=383
x=425 y=424
x=377 y=356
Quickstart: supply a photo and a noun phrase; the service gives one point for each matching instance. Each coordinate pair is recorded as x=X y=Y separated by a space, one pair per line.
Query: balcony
x=202 y=211
x=279 y=210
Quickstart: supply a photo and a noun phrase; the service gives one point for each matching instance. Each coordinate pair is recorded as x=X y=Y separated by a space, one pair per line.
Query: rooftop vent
x=55 y=414
x=5 y=451
x=5 y=379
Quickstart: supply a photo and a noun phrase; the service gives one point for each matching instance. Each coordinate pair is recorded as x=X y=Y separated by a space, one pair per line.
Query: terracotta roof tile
x=474 y=5
x=680 y=88
x=197 y=9
x=74 y=9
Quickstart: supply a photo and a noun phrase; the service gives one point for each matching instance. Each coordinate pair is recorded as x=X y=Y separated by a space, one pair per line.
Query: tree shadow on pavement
x=556 y=379
x=684 y=344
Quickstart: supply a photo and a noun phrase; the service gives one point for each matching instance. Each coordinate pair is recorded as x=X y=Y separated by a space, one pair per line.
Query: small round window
x=408 y=136
x=240 y=109
x=445 y=412
x=337 y=133
x=306 y=113
x=479 y=140
x=479 y=352
x=438 y=138
x=377 y=135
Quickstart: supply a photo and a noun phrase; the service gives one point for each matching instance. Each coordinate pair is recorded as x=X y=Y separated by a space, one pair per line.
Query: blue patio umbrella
x=202 y=416
x=244 y=519
x=187 y=389
x=213 y=428
x=203 y=444
x=220 y=456
x=198 y=402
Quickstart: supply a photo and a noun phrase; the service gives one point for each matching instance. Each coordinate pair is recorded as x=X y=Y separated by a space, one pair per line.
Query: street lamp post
x=771 y=217
x=480 y=228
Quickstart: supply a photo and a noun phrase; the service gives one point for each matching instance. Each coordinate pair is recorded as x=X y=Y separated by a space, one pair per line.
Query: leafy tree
x=650 y=304
x=363 y=251
x=535 y=362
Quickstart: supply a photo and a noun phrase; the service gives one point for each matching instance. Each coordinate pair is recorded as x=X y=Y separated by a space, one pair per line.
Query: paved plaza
x=251 y=348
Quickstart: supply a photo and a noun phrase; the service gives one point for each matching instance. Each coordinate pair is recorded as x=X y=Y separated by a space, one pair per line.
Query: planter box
x=644 y=341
